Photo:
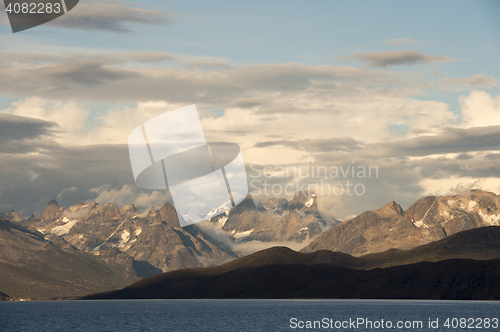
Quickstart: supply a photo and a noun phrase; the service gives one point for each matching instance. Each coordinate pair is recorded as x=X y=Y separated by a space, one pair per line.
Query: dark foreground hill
x=283 y=273
x=456 y=279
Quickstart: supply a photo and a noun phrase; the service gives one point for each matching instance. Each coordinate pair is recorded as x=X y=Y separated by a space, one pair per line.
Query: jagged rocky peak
x=13 y=216
x=169 y=215
x=51 y=209
x=107 y=211
x=467 y=210
x=152 y=212
x=273 y=204
x=273 y=219
x=129 y=209
x=390 y=209
x=242 y=218
x=306 y=201
x=429 y=219
x=80 y=210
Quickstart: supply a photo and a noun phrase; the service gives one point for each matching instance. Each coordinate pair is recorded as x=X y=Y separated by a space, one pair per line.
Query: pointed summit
x=389 y=209
x=52 y=208
x=169 y=215
x=152 y=212
x=128 y=209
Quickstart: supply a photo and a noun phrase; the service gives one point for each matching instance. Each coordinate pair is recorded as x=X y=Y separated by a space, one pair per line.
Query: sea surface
x=249 y=315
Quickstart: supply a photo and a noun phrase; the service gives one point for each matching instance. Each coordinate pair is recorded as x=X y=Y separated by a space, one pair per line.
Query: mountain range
x=274 y=219
x=428 y=219
x=89 y=248
x=283 y=273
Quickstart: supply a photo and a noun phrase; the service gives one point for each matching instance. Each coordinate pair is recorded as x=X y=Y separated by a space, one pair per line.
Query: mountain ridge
x=429 y=219
x=276 y=265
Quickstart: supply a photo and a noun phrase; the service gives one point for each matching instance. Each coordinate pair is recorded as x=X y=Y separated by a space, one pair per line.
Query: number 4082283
x=33 y=8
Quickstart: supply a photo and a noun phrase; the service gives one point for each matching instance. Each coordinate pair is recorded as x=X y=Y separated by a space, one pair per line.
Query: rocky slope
x=5 y=297
x=429 y=219
x=34 y=266
x=273 y=219
x=155 y=239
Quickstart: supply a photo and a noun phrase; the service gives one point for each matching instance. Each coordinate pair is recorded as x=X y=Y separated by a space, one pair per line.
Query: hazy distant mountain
x=155 y=238
x=429 y=219
x=283 y=273
x=274 y=219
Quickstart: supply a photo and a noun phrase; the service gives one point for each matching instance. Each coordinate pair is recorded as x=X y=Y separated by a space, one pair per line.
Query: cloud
x=397 y=58
x=282 y=114
x=403 y=41
x=459 y=185
x=111 y=16
x=480 y=109
x=66 y=191
x=130 y=194
x=18 y=128
x=451 y=140
x=70 y=117
x=461 y=83
x=23 y=135
x=33 y=179
x=85 y=72
x=245 y=247
x=315 y=145
x=194 y=80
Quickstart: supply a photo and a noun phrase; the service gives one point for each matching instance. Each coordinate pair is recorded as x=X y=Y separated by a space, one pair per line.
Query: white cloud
x=130 y=194
x=456 y=185
x=67 y=191
x=246 y=247
x=480 y=109
x=70 y=116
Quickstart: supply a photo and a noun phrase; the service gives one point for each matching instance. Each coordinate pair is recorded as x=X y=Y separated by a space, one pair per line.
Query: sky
x=410 y=88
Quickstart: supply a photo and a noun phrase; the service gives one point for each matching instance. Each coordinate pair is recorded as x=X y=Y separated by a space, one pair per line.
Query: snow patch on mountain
x=420 y=223
x=63 y=229
x=490 y=219
x=218 y=210
x=471 y=205
x=125 y=236
x=310 y=202
x=129 y=245
x=222 y=222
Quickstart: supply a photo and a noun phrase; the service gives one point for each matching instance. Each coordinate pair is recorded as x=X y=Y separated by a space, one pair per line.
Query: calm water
x=242 y=315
